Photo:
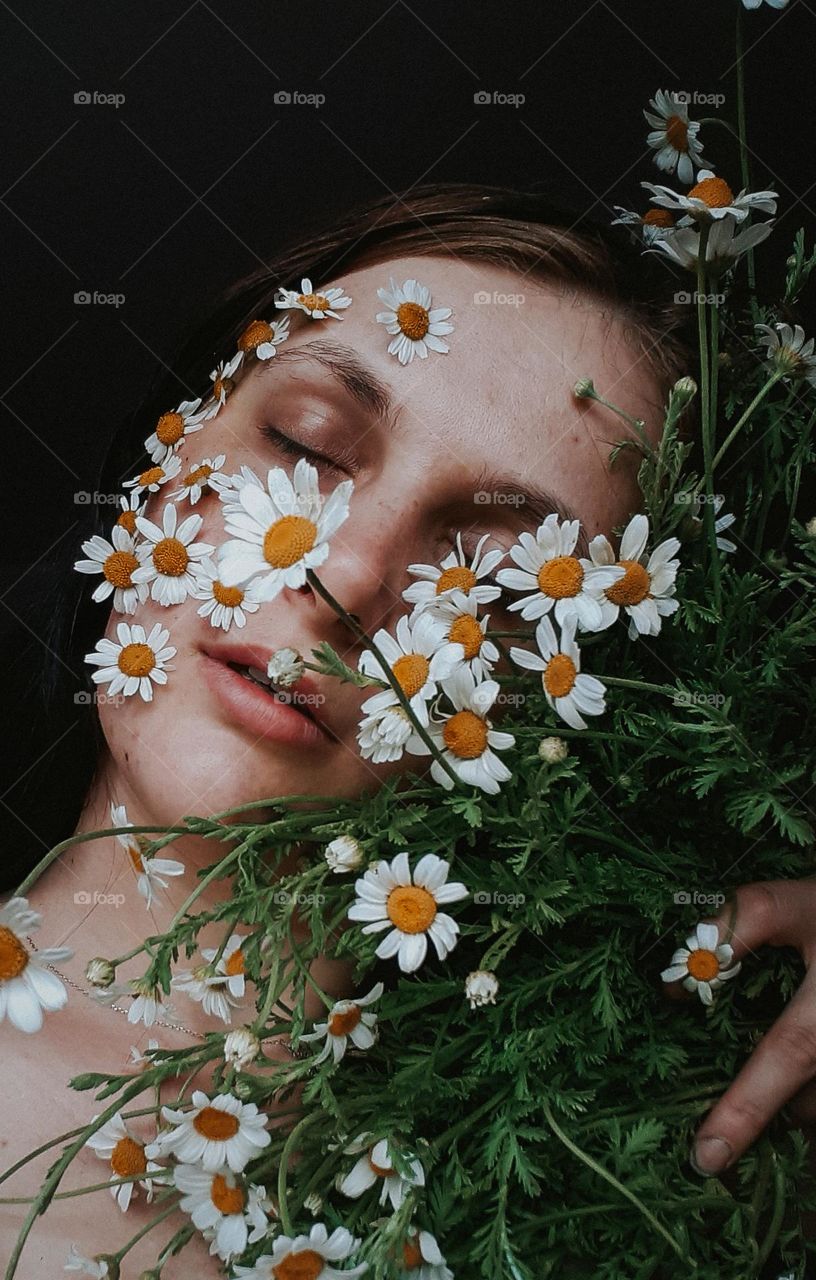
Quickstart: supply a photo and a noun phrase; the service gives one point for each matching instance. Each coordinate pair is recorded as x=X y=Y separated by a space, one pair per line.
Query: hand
x=778 y=913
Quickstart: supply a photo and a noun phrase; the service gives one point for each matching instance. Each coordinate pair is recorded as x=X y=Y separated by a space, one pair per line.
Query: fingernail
x=709 y=1156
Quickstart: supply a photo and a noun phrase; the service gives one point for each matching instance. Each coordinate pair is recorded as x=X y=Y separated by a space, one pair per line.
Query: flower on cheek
x=168 y=555
x=152 y=479
x=171 y=429
x=116 y=561
x=454 y=574
x=135 y=663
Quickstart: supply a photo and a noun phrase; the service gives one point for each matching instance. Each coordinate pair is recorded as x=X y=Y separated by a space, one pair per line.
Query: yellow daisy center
x=127 y=1158
x=465 y=734
x=411 y=908
x=198 y=474
x=127 y=520
x=119 y=566
x=703 y=965
x=714 y=192
x=560 y=675
x=677 y=133
x=313 y=301
x=170 y=428
x=235 y=963
x=223 y=387
x=152 y=476
x=135 y=855
x=136 y=660
x=561 y=577
x=254 y=334
x=411 y=671
x=411 y=1255
x=658 y=218
x=229 y=596
x=227 y=1199
x=466 y=631
x=288 y=540
x=343 y=1021
x=413 y=320
x=379 y=1169
x=459 y=575
x=170 y=557
x=215 y=1124
x=632 y=587
x=13 y=955
x=305 y=1265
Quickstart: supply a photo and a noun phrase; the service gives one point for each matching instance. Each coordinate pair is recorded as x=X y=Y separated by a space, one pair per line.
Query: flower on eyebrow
x=317 y=304
x=418 y=328
x=262 y=339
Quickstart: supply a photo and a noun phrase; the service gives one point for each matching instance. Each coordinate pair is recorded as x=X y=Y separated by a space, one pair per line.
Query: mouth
x=237 y=675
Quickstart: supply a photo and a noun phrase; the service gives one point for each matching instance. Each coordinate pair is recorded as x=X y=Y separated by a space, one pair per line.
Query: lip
x=247 y=704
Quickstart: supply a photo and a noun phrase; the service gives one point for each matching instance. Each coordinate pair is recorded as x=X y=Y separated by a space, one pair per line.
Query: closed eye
x=343 y=461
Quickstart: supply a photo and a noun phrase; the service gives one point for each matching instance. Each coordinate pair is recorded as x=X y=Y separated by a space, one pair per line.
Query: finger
x=777 y=913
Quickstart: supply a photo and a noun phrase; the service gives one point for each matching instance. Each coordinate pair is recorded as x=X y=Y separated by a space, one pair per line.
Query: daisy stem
x=709 y=406
x=740 y=423
x=174 y=1245
x=79 y=1191
x=637 y=424
x=387 y=672
x=154 y=1222
x=283 y=1169
x=55 y=1142
x=779 y=1182
x=304 y=968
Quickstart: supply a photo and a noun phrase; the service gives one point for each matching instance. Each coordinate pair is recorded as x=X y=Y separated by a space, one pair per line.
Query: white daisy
x=223 y=384
x=418 y=327
x=207 y=989
x=712 y=198
x=384 y=735
x=224 y=606
x=704 y=964
x=262 y=338
x=150 y=870
x=214 y=1132
x=169 y=555
x=787 y=350
x=241 y=1047
x=553 y=578
x=422 y=1258
x=151 y=480
x=27 y=986
x=285 y=667
x=775 y=4
x=388 y=897
x=88 y=1266
x=225 y=1209
x=468 y=633
x=418 y=656
x=465 y=736
x=674 y=136
x=229 y=492
x=306 y=1257
x=344 y=853
x=723 y=247
x=148 y=1004
x=317 y=303
x=142 y=1060
x=646 y=589
x=721 y=522
x=171 y=429
x=454 y=574
x=204 y=477
x=481 y=988
x=281 y=531
x=375 y=1164
x=570 y=693
x=132 y=506
x=648 y=228
x=116 y=561
x=231 y=964
x=347 y=1021
x=126 y=1156
x=132 y=665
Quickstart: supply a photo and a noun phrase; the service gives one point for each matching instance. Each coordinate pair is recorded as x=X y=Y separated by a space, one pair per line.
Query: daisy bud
x=584 y=389
x=241 y=1047
x=314 y=1204
x=285 y=667
x=553 y=750
x=344 y=854
x=685 y=389
x=810 y=527
x=99 y=972
x=481 y=987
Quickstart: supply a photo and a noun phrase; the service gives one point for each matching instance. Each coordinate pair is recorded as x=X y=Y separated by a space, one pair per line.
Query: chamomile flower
x=775 y=4
x=229 y=491
x=229 y=1213
x=481 y=988
x=172 y=428
x=344 y=853
x=645 y=591
x=151 y=480
x=281 y=531
x=95 y=1267
x=263 y=338
x=204 y=477
x=469 y=633
x=417 y=326
x=169 y=555
x=787 y=351
x=455 y=574
x=224 y=606
x=721 y=523
x=135 y=663
x=724 y=244
x=142 y=1060
x=149 y=1004
x=207 y=989
x=348 y=1020
x=223 y=384
x=383 y=736
x=306 y=1257
x=214 y=1132
x=570 y=692
x=132 y=506
x=553 y=578
x=150 y=870
x=647 y=228
x=422 y=1258
x=711 y=198
x=674 y=136
x=466 y=738
x=390 y=897
x=418 y=657
x=126 y=1156
x=231 y=966
x=116 y=561
x=241 y=1047
x=27 y=986
x=285 y=667
x=376 y=1165
x=317 y=303
x=704 y=964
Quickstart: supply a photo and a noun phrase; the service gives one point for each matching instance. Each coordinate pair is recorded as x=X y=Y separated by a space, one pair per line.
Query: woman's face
x=485 y=439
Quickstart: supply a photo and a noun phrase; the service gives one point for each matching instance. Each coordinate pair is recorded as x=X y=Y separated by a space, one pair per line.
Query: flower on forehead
x=27 y=986
x=149 y=870
x=224 y=606
x=171 y=429
x=645 y=591
x=132 y=506
x=204 y=477
x=281 y=531
x=344 y=853
x=116 y=561
x=787 y=350
x=126 y=1156
x=229 y=1212
x=468 y=632
x=317 y=303
x=306 y=1257
x=169 y=554
x=422 y=1258
x=418 y=657
x=418 y=327
x=649 y=227
x=223 y=384
x=151 y=480
x=570 y=692
x=263 y=338
x=720 y=524
x=383 y=736
x=552 y=577
x=438 y=582
x=376 y=1164
x=214 y=1132
x=348 y=1020
x=135 y=663
x=704 y=964
x=712 y=198
x=674 y=136
x=724 y=244
x=231 y=964
x=465 y=736
x=481 y=988
x=390 y=897
x=94 y=1267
